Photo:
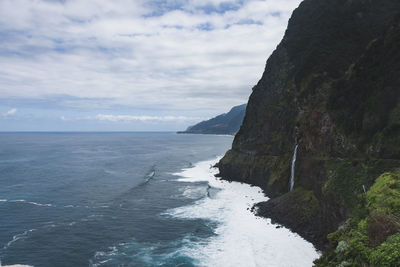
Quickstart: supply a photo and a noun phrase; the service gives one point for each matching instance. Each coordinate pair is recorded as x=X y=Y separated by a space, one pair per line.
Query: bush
x=385 y=194
x=358 y=252
x=380 y=225
x=387 y=254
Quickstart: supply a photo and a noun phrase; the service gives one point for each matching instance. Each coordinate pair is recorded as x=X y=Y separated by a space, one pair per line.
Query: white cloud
x=133 y=118
x=9 y=113
x=117 y=118
x=111 y=50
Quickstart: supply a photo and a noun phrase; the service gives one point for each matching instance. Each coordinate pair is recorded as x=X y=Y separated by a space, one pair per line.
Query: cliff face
x=228 y=123
x=332 y=86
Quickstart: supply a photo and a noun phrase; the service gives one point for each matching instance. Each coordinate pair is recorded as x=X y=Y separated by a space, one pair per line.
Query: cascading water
x=292 y=170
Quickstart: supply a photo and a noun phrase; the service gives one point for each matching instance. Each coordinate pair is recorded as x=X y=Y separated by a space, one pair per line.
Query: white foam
x=193 y=192
x=18 y=237
x=39 y=204
x=241 y=239
x=15 y=265
x=31 y=202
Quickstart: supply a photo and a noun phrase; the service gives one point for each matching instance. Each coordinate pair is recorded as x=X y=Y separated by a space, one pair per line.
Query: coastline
x=242 y=238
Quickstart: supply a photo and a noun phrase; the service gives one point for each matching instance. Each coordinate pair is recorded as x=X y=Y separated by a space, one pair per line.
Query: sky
x=131 y=65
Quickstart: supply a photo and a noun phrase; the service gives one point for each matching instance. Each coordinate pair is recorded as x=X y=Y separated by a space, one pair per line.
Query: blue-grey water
x=96 y=199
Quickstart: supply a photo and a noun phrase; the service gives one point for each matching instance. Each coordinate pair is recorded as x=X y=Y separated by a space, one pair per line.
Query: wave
x=50 y=205
x=242 y=239
x=28 y=202
x=194 y=192
x=18 y=237
x=16 y=265
x=134 y=253
x=149 y=176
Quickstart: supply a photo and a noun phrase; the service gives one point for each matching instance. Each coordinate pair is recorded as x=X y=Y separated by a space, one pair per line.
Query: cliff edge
x=332 y=89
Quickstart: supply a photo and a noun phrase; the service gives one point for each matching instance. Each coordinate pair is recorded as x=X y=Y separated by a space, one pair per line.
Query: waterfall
x=292 y=170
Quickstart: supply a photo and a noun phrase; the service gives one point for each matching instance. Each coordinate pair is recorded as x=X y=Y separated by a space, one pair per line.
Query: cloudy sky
x=87 y=65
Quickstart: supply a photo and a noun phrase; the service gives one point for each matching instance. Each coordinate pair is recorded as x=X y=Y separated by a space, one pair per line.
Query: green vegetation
x=347 y=178
x=384 y=195
x=387 y=254
x=304 y=203
x=252 y=169
x=372 y=239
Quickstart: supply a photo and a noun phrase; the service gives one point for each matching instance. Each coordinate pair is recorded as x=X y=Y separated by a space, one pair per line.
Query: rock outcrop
x=332 y=87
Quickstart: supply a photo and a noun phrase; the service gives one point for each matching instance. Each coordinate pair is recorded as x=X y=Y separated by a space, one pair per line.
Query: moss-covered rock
x=265 y=171
x=349 y=178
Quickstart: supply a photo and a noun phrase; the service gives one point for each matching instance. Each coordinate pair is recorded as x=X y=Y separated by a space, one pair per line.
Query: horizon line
x=28 y=131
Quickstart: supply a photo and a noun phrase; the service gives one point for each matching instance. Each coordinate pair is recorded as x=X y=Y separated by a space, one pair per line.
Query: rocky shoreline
x=285 y=211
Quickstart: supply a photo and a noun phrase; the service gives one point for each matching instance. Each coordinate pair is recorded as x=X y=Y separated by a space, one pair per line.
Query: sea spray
x=241 y=238
x=292 y=169
x=15 y=265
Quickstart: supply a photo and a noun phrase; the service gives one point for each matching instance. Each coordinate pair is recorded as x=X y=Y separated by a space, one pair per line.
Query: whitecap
x=16 y=265
x=194 y=192
x=241 y=239
x=30 y=202
x=40 y=204
x=18 y=237
x=139 y=254
x=110 y=172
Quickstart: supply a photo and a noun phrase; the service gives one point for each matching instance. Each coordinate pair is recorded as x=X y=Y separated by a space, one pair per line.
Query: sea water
x=131 y=199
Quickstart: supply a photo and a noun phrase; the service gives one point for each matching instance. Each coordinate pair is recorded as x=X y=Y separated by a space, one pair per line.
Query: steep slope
x=332 y=88
x=371 y=235
x=228 y=123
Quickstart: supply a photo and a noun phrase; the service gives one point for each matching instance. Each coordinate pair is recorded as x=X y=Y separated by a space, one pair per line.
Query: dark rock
x=332 y=86
x=298 y=210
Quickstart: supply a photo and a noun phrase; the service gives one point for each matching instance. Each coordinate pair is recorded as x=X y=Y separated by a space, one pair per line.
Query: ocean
x=132 y=199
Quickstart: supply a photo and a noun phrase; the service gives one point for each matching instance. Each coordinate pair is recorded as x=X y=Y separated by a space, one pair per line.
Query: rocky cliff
x=331 y=87
x=228 y=123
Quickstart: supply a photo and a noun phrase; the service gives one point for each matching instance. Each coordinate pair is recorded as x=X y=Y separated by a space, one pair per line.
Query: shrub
x=380 y=225
x=388 y=253
x=385 y=194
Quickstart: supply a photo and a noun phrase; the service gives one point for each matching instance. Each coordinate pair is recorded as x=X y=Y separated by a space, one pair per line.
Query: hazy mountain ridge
x=228 y=123
x=331 y=87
